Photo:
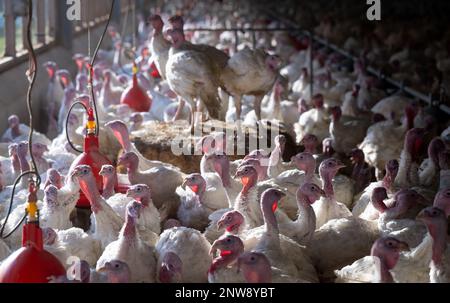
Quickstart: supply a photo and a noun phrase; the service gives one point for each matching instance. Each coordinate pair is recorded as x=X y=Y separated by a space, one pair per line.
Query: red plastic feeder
x=135 y=97
x=155 y=74
x=31 y=263
x=92 y=157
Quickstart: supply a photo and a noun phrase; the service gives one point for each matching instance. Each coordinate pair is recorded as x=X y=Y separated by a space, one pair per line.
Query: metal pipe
x=378 y=73
x=244 y=29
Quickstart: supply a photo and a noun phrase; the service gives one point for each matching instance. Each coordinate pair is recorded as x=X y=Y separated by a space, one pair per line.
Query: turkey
x=314 y=121
x=53 y=97
x=222 y=167
x=219 y=58
x=67 y=101
x=130 y=248
x=362 y=208
x=163 y=196
x=191 y=76
x=71 y=242
x=362 y=173
x=250 y=72
x=428 y=171
x=384 y=140
x=109 y=94
x=18 y=132
x=436 y=222
x=150 y=217
x=120 y=131
x=276 y=165
x=183 y=256
x=106 y=221
x=342 y=126
x=408 y=174
x=302 y=229
x=159 y=46
x=58 y=205
x=197 y=202
x=255 y=267
x=377 y=267
x=328 y=208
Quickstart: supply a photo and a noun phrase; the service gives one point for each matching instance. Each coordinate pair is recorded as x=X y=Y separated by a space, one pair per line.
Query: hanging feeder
x=91 y=156
x=154 y=71
x=31 y=263
x=135 y=97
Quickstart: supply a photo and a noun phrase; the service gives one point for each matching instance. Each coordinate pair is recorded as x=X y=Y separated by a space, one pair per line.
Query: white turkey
x=183 y=256
x=130 y=248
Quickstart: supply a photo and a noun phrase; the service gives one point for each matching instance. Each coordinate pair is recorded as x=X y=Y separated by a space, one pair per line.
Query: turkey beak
x=104 y=267
x=403 y=246
x=340 y=164
x=183 y=185
x=220 y=224
x=421 y=215
x=322 y=193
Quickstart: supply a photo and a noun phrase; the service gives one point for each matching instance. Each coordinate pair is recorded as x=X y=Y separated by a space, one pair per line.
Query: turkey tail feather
x=213 y=104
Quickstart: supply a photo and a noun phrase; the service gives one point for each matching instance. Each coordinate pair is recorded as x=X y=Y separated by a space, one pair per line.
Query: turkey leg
x=180 y=108
x=238 y=105
x=257 y=106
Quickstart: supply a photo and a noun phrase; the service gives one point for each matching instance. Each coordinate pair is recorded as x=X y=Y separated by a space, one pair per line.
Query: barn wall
x=14 y=83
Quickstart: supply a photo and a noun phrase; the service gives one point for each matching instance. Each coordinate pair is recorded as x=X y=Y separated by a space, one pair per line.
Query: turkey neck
x=222 y=261
x=24 y=165
x=201 y=191
x=15 y=163
x=123 y=138
x=145 y=200
x=90 y=190
x=388 y=180
x=327 y=178
x=224 y=173
x=133 y=173
x=275 y=158
x=15 y=131
x=309 y=172
x=379 y=205
x=157 y=32
x=357 y=169
x=438 y=233
x=308 y=217
x=108 y=186
x=129 y=229
x=275 y=107
x=405 y=169
x=384 y=275
x=272 y=233
x=247 y=193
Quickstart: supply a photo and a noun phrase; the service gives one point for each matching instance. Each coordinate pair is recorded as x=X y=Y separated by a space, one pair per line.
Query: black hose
x=67 y=124
x=91 y=70
x=33 y=72
x=11 y=200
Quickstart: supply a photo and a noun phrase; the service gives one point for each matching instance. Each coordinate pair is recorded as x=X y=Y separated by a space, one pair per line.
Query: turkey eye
x=228 y=240
x=138 y=189
x=252 y=258
x=116 y=265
